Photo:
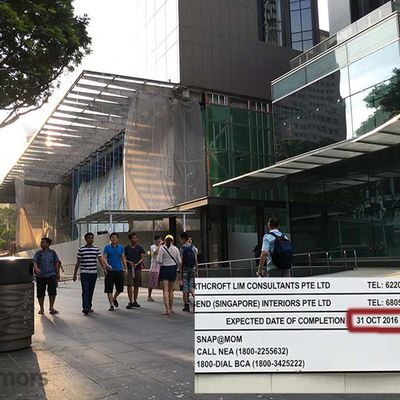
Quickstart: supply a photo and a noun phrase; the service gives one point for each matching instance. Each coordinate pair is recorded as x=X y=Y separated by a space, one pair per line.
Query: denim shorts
x=187 y=281
x=168 y=273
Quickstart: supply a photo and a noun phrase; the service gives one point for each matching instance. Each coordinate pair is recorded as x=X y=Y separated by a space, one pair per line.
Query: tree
x=39 y=40
x=8 y=220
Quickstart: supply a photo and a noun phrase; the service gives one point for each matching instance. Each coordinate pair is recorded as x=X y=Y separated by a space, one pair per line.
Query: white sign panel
x=297 y=325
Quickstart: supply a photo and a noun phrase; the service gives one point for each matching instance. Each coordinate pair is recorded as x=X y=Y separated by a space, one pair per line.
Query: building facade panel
x=340 y=95
x=351 y=205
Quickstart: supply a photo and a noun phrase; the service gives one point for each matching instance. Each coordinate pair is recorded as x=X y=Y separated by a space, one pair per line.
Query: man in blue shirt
x=116 y=265
x=267 y=250
x=46 y=266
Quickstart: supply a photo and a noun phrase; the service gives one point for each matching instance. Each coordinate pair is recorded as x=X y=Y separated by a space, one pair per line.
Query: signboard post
x=297 y=325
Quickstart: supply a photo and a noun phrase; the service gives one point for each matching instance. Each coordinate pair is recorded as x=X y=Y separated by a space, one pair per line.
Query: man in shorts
x=189 y=269
x=116 y=265
x=134 y=254
x=46 y=266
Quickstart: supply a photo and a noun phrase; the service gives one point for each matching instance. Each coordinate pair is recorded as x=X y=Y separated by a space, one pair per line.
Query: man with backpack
x=278 y=252
x=46 y=266
x=188 y=269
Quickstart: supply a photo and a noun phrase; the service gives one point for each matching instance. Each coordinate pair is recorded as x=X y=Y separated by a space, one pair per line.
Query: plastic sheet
x=164 y=152
x=41 y=211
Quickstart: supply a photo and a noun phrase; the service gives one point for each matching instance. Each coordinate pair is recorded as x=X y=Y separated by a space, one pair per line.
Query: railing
x=346 y=33
x=304 y=264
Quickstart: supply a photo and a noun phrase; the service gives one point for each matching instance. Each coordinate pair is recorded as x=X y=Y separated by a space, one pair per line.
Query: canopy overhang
x=93 y=111
x=119 y=216
x=385 y=136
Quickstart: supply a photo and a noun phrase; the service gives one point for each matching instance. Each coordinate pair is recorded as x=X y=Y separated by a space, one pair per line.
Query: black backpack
x=188 y=257
x=283 y=252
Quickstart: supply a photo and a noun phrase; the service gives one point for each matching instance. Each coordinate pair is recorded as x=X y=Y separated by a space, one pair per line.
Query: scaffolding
x=98 y=184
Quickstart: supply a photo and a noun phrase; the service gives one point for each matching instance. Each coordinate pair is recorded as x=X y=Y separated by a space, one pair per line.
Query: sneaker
x=135 y=304
x=115 y=303
x=129 y=306
x=186 y=308
x=111 y=308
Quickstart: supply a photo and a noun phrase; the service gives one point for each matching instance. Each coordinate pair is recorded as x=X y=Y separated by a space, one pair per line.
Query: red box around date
x=370 y=311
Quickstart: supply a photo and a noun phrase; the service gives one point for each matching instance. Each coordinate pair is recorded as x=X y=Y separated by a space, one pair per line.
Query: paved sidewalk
x=126 y=354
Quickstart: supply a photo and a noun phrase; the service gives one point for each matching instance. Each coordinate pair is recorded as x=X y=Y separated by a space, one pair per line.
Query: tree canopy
x=39 y=40
x=8 y=219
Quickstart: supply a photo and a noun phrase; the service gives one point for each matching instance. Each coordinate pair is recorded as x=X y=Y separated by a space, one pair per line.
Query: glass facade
x=157 y=39
x=301 y=24
x=238 y=141
x=346 y=53
x=289 y=23
x=270 y=21
x=354 y=204
x=348 y=92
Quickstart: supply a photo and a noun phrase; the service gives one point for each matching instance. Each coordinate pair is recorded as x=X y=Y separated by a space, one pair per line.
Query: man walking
x=277 y=250
x=46 y=266
x=115 y=258
x=87 y=262
x=134 y=254
x=189 y=267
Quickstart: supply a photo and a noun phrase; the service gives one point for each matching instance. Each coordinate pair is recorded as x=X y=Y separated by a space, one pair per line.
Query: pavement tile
x=81 y=389
x=142 y=359
x=110 y=347
x=83 y=355
x=106 y=371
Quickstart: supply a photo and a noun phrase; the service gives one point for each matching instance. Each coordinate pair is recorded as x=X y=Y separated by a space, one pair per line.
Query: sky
x=112 y=31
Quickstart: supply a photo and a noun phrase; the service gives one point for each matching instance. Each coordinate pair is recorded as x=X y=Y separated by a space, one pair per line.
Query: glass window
x=312 y=117
x=307 y=44
x=306 y=19
x=374 y=68
x=289 y=84
x=367 y=112
x=297 y=45
x=305 y=4
x=294 y=5
x=295 y=21
x=344 y=83
x=372 y=39
x=296 y=37
x=307 y=35
x=329 y=63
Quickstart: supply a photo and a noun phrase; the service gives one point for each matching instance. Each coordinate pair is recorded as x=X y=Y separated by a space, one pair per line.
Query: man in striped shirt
x=87 y=261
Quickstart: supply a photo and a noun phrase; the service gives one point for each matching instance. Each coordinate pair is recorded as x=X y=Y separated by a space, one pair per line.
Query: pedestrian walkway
x=125 y=354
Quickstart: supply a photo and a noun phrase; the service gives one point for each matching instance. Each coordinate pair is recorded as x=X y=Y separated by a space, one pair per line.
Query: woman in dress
x=169 y=259
x=154 y=266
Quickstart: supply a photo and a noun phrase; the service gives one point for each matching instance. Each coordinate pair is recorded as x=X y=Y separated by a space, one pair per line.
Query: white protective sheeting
x=164 y=151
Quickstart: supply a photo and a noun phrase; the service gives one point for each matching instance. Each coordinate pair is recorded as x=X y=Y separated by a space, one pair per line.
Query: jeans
x=88 y=282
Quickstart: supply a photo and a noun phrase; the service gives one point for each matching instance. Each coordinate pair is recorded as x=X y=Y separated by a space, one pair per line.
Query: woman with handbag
x=169 y=259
